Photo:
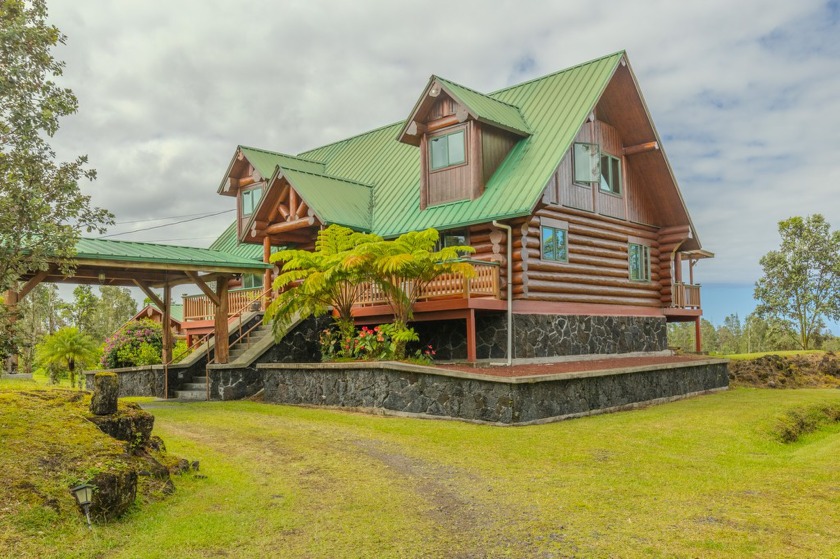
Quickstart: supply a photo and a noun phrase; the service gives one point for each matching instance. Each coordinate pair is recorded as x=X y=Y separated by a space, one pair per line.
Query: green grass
x=705 y=477
x=755 y=355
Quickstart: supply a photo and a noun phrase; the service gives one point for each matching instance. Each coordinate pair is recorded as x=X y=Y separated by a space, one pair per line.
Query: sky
x=745 y=97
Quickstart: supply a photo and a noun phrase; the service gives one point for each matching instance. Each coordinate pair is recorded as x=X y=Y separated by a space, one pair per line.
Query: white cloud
x=745 y=94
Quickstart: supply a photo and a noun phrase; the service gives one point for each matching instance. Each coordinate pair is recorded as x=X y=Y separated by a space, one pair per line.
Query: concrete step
x=191 y=394
x=194 y=386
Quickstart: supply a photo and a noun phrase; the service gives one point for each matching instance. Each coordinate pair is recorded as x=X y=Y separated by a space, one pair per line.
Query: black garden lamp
x=83 y=494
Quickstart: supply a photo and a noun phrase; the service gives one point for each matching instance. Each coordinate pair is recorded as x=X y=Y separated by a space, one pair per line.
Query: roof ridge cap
x=551 y=74
x=281 y=153
x=480 y=93
x=325 y=175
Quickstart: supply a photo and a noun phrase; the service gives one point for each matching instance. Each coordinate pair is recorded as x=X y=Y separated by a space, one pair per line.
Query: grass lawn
x=704 y=477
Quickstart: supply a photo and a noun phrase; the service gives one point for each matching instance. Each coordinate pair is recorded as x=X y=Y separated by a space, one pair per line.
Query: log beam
x=149 y=293
x=206 y=288
x=641 y=148
x=32 y=283
x=222 y=347
x=293 y=225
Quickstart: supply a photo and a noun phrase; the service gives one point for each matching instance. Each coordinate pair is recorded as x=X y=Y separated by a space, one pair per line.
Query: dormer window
x=448 y=150
x=610 y=174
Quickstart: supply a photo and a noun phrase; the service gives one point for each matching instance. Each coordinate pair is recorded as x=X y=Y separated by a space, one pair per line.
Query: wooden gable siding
x=495 y=145
x=598 y=268
x=461 y=182
x=443 y=107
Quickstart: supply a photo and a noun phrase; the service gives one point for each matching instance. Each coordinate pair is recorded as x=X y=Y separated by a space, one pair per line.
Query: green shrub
x=137 y=343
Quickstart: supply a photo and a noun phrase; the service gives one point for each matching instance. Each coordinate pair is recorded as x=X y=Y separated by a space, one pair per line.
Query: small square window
x=554 y=244
x=446 y=151
x=639 y=257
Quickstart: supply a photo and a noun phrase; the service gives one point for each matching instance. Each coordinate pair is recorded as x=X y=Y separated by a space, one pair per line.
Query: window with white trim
x=447 y=151
x=554 y=244
x=250 y=200
x=639 y=259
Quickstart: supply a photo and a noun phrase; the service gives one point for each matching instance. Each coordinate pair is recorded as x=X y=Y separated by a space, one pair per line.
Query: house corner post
x=698 y=337
x=267 y=275
x=471 y=345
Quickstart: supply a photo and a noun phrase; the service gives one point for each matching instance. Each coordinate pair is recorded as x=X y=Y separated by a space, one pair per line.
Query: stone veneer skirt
x=429 y=392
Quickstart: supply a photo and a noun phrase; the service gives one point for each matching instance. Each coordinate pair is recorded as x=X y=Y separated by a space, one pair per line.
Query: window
x=554 y=244
x=250 y=281
x=639 y=256
x=610 y=174
x=453 y=238
x=250 y=199
x=446 y=151
x=587 y=163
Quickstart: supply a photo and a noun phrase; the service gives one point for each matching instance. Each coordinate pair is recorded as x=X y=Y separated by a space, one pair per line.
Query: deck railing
x=686 y=296
x=485 y=283
x=199 y=307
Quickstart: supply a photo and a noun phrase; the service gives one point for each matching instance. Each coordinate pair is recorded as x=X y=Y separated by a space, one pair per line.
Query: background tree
x=80 y=312
x=114 y=307
x=42 y=209
x=40 y=315
x=67 y=348
x=801 y=282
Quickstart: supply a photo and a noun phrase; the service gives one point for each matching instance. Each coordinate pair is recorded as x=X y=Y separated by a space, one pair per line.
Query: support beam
x=293 y=202
x=32 y=283
x=289 y=226
x=166 y=353
x=267 y=276
x=641 y=148
x=206 y=288
x=698 y=336
x=149 y=293
x=471 y=349
x=301 y=210
x=221 y=322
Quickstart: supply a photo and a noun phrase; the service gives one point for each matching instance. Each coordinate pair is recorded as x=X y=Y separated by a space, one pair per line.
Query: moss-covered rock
x=129 y=423
x=106 y=389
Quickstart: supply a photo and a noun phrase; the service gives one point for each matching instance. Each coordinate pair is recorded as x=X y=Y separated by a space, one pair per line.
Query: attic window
x=447 y=151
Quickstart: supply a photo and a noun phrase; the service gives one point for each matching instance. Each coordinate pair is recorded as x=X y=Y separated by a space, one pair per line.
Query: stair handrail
x=206 y=339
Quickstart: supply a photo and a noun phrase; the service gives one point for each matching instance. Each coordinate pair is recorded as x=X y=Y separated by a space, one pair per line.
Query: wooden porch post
x=267 y=275
x=698 y=338
x=165 y=319
x=221 y=322
x=471 y=349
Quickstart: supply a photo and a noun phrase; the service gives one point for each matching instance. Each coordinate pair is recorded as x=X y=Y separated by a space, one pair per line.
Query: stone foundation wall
x=423 y=391
x=300 y=345
x=228 y=383
x=543 y=335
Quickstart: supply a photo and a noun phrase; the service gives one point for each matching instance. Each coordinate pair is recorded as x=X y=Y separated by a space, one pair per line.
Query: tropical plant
x=67 y=348
x=801 y=282
x=312 y=282
x=403 y=267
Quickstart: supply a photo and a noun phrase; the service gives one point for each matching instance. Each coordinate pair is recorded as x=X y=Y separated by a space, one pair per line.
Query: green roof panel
x=267 y=161
x=228 y=243
x=127 y=251
x=334 y=200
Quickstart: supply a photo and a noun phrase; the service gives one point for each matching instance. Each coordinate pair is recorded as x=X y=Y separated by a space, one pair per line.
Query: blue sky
x=745 y=95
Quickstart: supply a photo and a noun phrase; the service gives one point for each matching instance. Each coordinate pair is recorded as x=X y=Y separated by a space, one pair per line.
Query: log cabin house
x=569 y=165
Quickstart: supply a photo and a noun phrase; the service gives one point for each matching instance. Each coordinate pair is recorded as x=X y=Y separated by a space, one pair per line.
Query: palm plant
x=67 y=348
x=312 y=282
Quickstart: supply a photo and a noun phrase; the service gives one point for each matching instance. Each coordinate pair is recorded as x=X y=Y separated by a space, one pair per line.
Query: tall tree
x=80 y=313
x=42 y=209
x=801 y=282
x=114 y=307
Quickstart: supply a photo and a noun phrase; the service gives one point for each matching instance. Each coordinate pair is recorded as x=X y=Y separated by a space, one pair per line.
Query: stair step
x=195 y=386
x=191 y=394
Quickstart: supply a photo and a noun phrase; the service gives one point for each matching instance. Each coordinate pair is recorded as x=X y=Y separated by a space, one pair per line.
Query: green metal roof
x=176 y=312
x=127 y=251
x=555 y=107
x=228 y=243
x=267 y=161
x=486 y=108
x=335 y=200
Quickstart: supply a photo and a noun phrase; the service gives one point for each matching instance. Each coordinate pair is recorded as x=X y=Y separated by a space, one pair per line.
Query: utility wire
x=166 y=224
x=160 y=218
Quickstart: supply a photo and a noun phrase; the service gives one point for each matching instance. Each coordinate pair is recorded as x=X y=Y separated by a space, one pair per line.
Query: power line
x=166 y=224
x=160 y=218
